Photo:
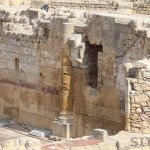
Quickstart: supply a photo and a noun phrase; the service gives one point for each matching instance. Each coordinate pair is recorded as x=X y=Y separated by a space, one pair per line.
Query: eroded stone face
x=77 y=62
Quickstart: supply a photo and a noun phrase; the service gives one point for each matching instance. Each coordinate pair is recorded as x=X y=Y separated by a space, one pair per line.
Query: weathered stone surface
x=100 y=134
x=111 y=145
x=75 y=40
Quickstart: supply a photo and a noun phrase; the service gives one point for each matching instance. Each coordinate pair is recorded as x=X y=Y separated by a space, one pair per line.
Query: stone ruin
x=80 y=66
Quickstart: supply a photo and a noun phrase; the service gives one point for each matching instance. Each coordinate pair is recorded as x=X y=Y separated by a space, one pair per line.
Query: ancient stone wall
x=122 y=42
x=103 y=5
x=64 y=60
x=30 y=75
x=139 y=106
x=141 y=8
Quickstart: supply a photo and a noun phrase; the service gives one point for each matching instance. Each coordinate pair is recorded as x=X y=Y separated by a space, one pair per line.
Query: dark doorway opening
x=92 y=57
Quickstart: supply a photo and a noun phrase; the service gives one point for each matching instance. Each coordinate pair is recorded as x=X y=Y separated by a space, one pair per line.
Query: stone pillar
x=127 y=105
x=65 y=125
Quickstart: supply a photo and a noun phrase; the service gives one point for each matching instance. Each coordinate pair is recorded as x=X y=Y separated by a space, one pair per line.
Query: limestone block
x=76 y=62
x=24 y=67
x=36 y=120
x=37 y=133
x=32 y=60
x=32 y=96
x=80 y=28
x=14 y=113
x=45 y=54
x=11 y=65
x=125 y=11
x=3 y=46
x=75 y=40
x=123 y=144
x=34 y=69
x=75 y=52
x=93 y=110
x=110 y=100
x=56 y=128
x=100 y=134
x=123 y=20
x=62 y=129
x=111 y=114
x=53 y=63
x=68 y=130
x=3 y=63
x=141 y=64
x=79 y=107
x=109 y=145
x=68 y=28
x=26 y=51
x=146 y=74
x=33 y=13
x=23 y=58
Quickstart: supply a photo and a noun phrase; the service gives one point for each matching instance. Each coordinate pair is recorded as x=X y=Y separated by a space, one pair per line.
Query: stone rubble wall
x=102 y=5
x=141 y=8
x=139 y=99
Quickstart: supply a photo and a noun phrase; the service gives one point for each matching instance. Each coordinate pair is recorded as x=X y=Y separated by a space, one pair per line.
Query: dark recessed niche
x=40 y=74
x=132 y=73
x=92 y=54
x=17 y=64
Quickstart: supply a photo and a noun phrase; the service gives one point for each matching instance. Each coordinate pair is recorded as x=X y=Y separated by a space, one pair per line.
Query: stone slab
x=64 y=129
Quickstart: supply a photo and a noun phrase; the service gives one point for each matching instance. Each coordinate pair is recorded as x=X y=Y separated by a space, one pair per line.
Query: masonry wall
x=30 y=94
x=104 y=5
x=38 y=79
x=139 y=87
x=141 y=8
x=104 y=106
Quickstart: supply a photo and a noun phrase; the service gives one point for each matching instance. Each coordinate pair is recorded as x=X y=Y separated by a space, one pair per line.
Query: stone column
x=127 y=104
x=65 y=125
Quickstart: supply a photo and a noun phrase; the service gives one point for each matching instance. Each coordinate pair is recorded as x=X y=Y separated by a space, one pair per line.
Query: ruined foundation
x=77 y=68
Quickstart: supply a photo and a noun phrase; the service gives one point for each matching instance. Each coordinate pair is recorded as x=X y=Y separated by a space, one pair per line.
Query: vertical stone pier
x=65 y=125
